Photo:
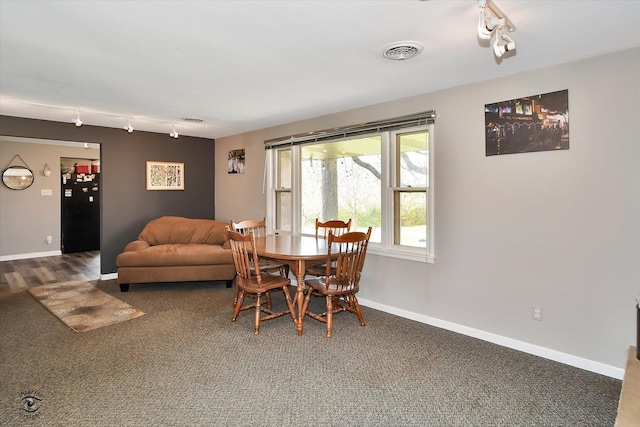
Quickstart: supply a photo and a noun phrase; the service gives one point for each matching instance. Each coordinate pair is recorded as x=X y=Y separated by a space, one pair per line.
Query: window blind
x=413 y=120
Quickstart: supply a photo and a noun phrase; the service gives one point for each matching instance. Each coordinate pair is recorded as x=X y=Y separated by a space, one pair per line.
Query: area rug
x=83 y=307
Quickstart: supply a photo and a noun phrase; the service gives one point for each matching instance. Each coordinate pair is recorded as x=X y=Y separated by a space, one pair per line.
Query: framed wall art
x=165 y=176
x=236 y=160
x=524 y=125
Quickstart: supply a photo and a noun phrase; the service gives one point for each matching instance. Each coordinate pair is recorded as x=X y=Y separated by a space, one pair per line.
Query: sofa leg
x=124 y=287
x=229 y=283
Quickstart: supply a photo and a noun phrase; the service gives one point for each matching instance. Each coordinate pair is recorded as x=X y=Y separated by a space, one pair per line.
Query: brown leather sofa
x=176 y=249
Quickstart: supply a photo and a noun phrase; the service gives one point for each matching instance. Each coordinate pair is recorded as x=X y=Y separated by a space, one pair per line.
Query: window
x=283 y=190
x=381 y=179
x=341 y=180
x=409 y=188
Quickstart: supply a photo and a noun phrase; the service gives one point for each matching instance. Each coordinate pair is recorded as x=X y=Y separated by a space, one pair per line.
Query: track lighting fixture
x=128 y=127
x=115 y=119
x=500 y=49
x=493 y=23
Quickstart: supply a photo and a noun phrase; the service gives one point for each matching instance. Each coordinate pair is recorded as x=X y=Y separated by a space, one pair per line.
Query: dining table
x=299 y=252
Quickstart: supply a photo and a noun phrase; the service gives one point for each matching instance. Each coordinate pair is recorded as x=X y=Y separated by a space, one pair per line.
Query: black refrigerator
x=80 y=212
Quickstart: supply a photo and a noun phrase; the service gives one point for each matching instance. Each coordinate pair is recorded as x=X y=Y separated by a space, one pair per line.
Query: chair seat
x=332 y=287
x=269 y=283
x=319 y=270
x=267 y=265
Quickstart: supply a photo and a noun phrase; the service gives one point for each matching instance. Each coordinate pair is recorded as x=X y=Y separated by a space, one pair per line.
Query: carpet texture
x=184 y=363
x=83 y=307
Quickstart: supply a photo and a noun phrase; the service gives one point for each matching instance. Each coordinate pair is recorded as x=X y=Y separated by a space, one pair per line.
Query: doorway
x=40 y=205
x=80 y=205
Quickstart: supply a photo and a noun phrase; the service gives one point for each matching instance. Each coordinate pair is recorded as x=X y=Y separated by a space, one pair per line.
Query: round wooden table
x=298 y=252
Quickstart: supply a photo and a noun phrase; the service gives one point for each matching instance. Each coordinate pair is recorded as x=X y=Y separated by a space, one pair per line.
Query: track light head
x=77 y=121
x=487 y=22
x=174 y=134
x=128 y=127
x=500 y=49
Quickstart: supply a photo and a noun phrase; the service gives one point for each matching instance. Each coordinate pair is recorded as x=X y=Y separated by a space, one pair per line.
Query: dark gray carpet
x=185 y=364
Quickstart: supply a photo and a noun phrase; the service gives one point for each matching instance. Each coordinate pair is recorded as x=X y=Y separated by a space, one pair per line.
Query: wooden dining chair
x=339 y=287
x=259 y=229
x=254 y=282
x=337 y=228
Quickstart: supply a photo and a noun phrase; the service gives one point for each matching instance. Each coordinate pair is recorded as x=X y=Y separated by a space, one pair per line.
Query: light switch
x=46 y=192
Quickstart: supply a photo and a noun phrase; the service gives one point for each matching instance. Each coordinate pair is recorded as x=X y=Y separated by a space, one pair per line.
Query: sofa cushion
x=175 y=255
x=178 y=230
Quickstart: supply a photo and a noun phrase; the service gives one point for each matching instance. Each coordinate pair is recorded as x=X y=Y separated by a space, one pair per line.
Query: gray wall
x=557 y=229
x=126 y=204
x=26 y=216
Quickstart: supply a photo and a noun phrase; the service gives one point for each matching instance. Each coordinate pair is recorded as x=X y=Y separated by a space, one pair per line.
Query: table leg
x=300 y=294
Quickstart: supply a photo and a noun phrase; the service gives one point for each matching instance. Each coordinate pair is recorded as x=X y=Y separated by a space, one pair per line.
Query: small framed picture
x=165 y=176
x=236 y=161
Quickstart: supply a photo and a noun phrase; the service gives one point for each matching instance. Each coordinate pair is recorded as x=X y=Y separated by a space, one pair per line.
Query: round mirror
x=17 y=177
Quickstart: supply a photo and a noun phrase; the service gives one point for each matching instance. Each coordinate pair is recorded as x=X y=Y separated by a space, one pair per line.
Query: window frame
x=394 y=189
x=387 y=247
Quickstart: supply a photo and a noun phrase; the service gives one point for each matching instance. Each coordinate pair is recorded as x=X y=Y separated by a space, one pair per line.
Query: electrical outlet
x=49 y=239
x=536 y=313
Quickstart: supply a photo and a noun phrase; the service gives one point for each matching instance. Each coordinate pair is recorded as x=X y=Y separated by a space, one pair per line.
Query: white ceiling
x=246 y=65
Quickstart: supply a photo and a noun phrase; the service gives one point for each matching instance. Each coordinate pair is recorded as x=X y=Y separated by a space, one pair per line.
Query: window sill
x=409 y=256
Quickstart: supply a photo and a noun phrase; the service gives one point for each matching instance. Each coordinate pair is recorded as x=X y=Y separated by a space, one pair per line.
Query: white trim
x=32 y=255
x=536 y=350
x=296 y=190
x=431 y=212
x=108 y=276
x=391 y=253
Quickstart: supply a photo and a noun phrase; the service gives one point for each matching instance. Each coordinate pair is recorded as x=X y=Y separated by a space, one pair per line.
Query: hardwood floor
x=18 y=275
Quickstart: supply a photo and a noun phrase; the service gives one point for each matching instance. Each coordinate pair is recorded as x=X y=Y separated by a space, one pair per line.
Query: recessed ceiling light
x=399 y=51
x=192 y=119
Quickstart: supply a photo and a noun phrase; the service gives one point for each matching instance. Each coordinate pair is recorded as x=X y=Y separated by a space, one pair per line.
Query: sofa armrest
x=136 y=245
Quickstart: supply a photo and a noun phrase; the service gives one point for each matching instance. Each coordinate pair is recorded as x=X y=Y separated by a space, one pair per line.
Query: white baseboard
x=32 y=255
x=109 y=276
x=536 y=350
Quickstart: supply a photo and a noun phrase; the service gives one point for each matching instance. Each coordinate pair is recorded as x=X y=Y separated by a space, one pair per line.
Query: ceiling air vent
x=401 y=50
